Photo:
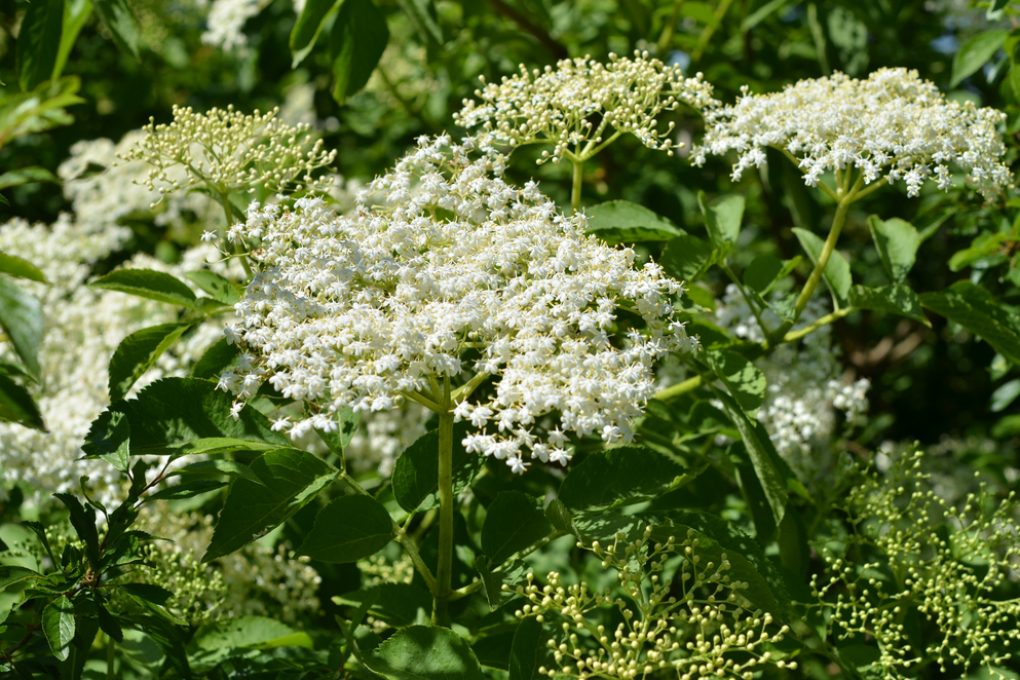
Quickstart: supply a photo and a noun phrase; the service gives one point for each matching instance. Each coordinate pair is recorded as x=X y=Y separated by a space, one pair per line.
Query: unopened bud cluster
x=224 y=150
x=579 y=104
x=924 y=558
x=676 y=611
x=891 y=125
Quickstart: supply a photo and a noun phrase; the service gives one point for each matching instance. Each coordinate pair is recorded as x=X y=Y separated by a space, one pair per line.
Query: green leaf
x=399 y=604
x=625 y=222
x=39 y=42
x=20 y=268
x=837 y=270
x=287 y=480
x=58 y=626
x=308 y=26
x=897 y=242
x=242 y=637
x=137 y=353
x=983 y=247
x=975 y=52
x=348 y=529
x=686 y=257
x=416 y=472
x=422 y=16
x=527 y=652
x=76 y=13
x=29 y=175
x=215 y=359
x=147 y=283
x=617 y=476
x=896 y=299
x=83 y=519
x=762 y=273
x=38 y=110
x=745 y=381
x=770 y=469
x=978 y=311
x=121 y=22
x=513 y=521
x=722 y=219
x=425 y=653
x=215 y=286
x=21 y=319
x=17 y=405
x=170 y=414
x=356 y=43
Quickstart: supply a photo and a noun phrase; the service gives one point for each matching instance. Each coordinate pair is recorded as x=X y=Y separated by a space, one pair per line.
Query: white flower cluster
x=892 y=125
x=83 y=327
x=805 y=386
x=453 y=276
x=582 y=103
x=225 y=23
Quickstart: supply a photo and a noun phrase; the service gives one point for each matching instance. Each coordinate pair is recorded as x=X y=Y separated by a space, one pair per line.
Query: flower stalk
x=444 y=570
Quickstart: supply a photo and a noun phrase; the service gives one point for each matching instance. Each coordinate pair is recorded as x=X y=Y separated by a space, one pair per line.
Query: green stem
x=838 y=221
x=228 y=210
x=670 y=28
x=444 y=570
x=575 y=189
x=674 y=391
x=816 y=324
x=710 y=29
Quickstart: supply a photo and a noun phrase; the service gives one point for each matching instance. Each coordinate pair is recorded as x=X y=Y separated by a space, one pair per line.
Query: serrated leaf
x=686 y=257
x=513 y=521
x=837 y=270
x=348 y=529
x=137 y=353
x=215 y=359
x=722 y=219
x=308 y=26
x=897 y=242
x=83 y=519
x=975 y=53
x=147 y=283
x=121 y=22
x=896 y=299
x=59 y=626
x=39 y=42
x=215 y=286
x=745 y=381
x=770 y=469
x=416 y=473
x=356 y=41
x=287 y=480
x=17 y=405
x=620 y=475
x=978 y=311
x=21 y=319
x=625 y=222
x=171 y=413
x=425 y=653
x=20 y=267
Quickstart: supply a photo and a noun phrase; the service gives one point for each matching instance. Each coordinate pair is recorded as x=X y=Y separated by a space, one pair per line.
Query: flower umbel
x=892 y=126
x=223 y=150
x=444 y=274
x=581 y=105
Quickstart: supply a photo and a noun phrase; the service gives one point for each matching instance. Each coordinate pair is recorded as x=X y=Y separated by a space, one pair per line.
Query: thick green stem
x=674 y=391
x=575 y=189
x=838 y=220
x=444 y=570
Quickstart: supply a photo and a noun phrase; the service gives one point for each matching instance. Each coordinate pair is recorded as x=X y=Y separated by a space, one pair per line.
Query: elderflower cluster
x=259 y=579
x=672 y=611
x=956 y=567
x=225 y=23
x=454 y=276
x=805 y=388
x=892 y=125
x=223 y=151
x=581 y=104
x=83 y=327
